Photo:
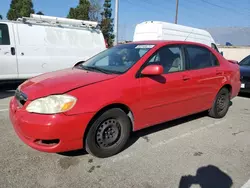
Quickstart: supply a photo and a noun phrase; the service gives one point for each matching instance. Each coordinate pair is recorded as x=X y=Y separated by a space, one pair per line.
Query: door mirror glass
x=152 y=70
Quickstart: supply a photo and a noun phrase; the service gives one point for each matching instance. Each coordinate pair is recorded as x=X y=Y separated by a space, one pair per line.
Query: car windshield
x=116 y=60
x=245 y=61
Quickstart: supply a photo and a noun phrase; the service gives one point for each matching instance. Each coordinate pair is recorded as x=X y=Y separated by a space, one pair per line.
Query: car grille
x=20 y=97
x=245 y=79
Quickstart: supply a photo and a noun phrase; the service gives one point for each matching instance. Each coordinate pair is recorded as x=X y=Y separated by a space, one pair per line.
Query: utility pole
x=116 y=22
x=176 y=13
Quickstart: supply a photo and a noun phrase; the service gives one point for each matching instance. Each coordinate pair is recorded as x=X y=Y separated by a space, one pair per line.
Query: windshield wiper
x=91 y=68
x=95 y=69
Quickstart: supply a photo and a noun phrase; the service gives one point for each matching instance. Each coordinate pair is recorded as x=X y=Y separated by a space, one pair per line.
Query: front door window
x=170 y=57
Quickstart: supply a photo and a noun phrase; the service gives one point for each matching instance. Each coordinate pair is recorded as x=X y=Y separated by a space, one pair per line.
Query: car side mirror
x=152 y=70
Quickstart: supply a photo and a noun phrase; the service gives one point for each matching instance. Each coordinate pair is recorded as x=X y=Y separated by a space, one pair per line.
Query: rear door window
x=200 y=57
x=4 y=34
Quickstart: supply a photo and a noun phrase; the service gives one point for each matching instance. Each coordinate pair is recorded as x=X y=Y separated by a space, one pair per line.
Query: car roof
x=165 y=42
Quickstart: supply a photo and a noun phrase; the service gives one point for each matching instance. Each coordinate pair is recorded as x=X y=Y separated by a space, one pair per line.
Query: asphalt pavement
x=196 y=151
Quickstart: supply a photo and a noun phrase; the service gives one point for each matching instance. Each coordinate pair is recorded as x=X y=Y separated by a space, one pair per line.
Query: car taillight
x=106 y=44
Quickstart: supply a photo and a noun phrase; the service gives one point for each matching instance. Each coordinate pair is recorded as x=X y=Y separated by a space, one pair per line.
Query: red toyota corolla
x=96 y=104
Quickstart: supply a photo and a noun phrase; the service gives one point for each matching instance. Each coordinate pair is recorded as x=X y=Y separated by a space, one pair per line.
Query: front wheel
x=221 y=104
x=108 y=134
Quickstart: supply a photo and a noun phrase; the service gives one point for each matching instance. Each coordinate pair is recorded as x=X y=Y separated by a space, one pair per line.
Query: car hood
x=59 y=82
x=245 y=71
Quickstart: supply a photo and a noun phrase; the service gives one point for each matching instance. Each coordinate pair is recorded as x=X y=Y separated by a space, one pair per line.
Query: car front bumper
x=49 y=133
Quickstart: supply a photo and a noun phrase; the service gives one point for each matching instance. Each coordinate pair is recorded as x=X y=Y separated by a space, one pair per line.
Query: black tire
x=108 y=134
x=221 y=104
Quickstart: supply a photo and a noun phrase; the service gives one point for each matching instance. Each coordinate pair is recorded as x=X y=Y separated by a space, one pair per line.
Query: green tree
x=72 y=13
x=81 y=12
x=40 y=13
x=107 y=25
x=20 y=8
x=1 y=17
x=95 y=10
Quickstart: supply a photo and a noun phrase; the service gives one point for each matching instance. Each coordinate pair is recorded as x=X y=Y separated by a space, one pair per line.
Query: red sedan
x=96 y=104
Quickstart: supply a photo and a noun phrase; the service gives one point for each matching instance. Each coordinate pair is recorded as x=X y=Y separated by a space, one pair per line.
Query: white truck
x=38 y=44
x=157 y=30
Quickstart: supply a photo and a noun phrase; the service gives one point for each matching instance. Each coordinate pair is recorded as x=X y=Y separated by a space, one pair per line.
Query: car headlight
x=52 y=104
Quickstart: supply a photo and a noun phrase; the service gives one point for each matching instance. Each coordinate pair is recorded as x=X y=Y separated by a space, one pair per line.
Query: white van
x=156 y=30
x=37 y=44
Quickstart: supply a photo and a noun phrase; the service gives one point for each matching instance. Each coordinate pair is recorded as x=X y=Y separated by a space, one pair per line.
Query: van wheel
x=221 y=104
x=108 y=134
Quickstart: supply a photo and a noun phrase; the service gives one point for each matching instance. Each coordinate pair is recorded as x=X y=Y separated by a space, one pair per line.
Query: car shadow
x=244 y=95
x=8 y=89
x=160 y=79
x=207 y=177
x=135 y=136
x=6 y=94
x=75 y=153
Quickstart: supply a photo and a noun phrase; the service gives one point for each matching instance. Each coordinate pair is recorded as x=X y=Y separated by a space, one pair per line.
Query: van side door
x=8 y=60
x=31 y=50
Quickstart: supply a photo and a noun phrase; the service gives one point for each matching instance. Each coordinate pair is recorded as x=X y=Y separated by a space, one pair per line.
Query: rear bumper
x=32 y=129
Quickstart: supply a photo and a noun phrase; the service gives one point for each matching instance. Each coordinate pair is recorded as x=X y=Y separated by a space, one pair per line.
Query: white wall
x=235 y=53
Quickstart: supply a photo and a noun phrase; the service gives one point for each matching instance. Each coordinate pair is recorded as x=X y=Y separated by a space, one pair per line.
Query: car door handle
x=13 y=51
x=185 y=78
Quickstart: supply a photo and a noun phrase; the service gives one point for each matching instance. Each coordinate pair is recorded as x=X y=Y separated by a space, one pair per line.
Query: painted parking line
x=4 y=110
x=4 y=106
x=247 y=184
x=164 y=142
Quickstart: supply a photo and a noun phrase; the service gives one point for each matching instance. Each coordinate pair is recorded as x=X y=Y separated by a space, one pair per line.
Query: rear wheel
x=221 y=104
x=108 y=134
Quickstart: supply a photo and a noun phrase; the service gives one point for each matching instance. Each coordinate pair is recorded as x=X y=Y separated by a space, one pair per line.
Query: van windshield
x=117 y=59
